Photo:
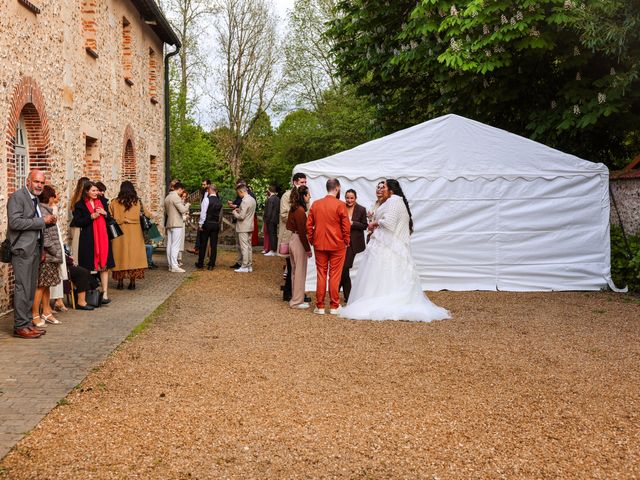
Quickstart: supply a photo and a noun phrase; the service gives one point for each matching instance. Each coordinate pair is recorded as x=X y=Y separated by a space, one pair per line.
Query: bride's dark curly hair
x=394 y=186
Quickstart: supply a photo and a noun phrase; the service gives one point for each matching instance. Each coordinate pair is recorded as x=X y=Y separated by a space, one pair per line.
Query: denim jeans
x=149 y=249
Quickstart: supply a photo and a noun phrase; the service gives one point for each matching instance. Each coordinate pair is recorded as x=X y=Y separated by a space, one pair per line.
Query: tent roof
x=452 y=146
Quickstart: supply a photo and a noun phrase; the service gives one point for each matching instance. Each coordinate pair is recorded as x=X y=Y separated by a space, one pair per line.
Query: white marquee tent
x=492 y=210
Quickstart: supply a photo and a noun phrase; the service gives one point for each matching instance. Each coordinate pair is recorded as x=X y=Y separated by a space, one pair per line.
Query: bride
x=387 y=286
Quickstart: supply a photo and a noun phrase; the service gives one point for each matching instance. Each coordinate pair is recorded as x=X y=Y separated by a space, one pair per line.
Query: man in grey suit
x=26 y=230
x=244 y=226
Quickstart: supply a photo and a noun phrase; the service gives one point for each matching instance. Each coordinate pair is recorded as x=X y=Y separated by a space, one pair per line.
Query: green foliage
x=193 y=154
x=561 y=73
x=625 y=267
x=259 y=187
x=256 y=150
x=341 y=121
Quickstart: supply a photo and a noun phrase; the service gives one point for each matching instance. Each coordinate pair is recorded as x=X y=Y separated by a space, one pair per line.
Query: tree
x=247 y=43
x=194 y=155
x=341 y=121
x=257 y=147
x=547 y=69
x=188 y=20
x=309 y=68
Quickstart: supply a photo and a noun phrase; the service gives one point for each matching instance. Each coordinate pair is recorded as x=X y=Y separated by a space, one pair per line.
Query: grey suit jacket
x=20 y=211
x=244 y=214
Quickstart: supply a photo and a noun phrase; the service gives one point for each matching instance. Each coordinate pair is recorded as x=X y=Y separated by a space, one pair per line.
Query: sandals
x=60 y=308
x=38 y=321
x=51 y=319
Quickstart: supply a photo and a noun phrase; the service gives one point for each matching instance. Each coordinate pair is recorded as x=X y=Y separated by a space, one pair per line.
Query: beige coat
x=244 y=214
x=284 y=235
x=128 y=250
x=174 y=208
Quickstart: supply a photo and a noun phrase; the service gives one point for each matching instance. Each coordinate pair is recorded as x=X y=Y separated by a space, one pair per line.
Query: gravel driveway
x=228 y=382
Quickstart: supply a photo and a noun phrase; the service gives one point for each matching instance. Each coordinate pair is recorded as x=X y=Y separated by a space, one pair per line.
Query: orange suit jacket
x=328 y=226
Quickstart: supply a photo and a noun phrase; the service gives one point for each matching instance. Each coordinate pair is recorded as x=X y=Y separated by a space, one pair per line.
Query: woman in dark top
x=358 y=218
x=299 y=248
x=94 y=248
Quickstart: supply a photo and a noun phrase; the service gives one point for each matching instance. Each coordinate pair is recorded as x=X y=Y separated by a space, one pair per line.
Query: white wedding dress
x=387 y=285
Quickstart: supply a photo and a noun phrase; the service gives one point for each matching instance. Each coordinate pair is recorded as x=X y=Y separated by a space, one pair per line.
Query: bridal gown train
x=387 y=286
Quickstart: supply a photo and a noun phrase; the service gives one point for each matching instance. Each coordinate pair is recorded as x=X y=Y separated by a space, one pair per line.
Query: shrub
x=625 y=265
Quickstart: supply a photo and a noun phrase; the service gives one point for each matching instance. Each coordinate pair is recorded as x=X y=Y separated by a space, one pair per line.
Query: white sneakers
x=243 y=270
x=322 y=311
x=177 y=270
x=270 y=253
x=302 y=306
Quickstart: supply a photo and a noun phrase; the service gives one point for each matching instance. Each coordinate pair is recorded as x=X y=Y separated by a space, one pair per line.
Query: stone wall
x=86 y=76
x=627 y=196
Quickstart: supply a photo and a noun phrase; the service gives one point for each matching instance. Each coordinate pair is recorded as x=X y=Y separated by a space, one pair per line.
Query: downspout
x=167 y=119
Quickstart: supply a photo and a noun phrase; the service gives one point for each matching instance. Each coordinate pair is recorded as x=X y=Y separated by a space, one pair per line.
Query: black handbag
x=113 y=229
x=94 y=297
x=145 y=222
x=6 y=246
x=5 y=250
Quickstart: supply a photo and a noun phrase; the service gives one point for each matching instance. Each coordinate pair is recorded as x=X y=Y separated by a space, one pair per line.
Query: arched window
x=21 y=155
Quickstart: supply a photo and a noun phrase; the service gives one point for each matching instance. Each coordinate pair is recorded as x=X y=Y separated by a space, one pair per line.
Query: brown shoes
x=26 y=332
x=38 y=329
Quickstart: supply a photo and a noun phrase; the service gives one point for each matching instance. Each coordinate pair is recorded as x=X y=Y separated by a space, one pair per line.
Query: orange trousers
x=331 y=261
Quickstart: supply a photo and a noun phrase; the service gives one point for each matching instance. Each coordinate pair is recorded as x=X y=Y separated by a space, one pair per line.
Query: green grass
x=146 y=323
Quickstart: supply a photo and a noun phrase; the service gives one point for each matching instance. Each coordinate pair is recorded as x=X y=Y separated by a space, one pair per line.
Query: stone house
x=82 y=93
x=625 y=197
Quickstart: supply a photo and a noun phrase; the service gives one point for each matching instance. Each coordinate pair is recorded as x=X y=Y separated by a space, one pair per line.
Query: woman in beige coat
x=129 y=252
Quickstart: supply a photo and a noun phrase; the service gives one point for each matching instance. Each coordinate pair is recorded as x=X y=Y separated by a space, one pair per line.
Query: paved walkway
x=36 y=374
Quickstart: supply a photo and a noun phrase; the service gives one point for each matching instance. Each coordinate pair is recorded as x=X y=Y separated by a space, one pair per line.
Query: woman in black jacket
x=358 y=219
x=94 y=249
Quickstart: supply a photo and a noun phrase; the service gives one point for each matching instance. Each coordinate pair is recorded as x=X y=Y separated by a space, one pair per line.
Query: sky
x=282 y=6
x=204 y=114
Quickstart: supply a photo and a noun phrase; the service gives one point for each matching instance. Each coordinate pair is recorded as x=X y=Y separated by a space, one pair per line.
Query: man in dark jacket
x=271 y=219
x=209 y=226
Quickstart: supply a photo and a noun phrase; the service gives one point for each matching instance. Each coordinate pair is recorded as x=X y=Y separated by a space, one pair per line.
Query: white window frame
x=21 y=155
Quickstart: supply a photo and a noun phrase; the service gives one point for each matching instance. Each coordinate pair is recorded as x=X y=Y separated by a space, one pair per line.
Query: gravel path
x=231 y=383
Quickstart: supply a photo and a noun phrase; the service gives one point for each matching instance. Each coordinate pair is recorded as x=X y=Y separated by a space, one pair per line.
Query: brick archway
x=27 y=101
x=129 y=156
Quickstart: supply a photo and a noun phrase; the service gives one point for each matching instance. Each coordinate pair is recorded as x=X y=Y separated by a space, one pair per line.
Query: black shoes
x=132 y=286
x=84 y=307
x=106 y=301
x=210 y=267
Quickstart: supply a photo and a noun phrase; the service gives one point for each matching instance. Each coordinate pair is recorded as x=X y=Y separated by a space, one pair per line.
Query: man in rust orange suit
x=328 y=230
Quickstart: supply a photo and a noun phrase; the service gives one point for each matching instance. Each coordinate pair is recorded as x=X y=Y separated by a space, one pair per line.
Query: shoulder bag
x=145 y=222
x=6 y=246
